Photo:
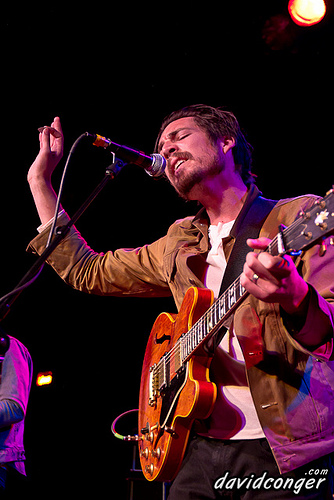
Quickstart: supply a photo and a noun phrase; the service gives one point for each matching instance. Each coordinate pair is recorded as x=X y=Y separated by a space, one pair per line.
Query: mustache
x=182 y=155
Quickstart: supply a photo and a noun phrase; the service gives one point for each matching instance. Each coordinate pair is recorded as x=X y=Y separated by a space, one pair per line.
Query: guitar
x=175 y=388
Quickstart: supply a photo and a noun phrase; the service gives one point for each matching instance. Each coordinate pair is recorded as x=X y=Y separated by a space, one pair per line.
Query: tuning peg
x=321 y=203
x=305 y=215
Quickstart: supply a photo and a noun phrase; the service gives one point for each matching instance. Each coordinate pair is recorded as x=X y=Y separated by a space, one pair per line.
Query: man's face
x=190 y=155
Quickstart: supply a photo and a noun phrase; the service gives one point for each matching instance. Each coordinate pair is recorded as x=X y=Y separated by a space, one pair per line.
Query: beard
x=202 y=168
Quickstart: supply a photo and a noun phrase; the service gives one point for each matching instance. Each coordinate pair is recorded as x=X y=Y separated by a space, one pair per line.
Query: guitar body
x=168 y=410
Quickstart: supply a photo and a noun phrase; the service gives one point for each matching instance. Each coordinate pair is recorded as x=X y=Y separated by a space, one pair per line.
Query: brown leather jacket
x=292 y=384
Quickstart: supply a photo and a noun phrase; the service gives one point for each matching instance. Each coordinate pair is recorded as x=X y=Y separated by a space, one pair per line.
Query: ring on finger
x=255 y=277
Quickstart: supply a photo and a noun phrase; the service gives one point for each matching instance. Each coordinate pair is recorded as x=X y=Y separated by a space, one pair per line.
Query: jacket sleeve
x=315 y=336
x=131 y=272
x=316 y=332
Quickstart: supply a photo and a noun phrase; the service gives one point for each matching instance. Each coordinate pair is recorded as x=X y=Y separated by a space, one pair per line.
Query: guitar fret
x=216 y=313
x=176 y=357
x=231 y=297
x=226 y=302
x=222 y=306
x=193 y=338
x=201 y=336
x=197 y=334
x=181 y=349
x=220 y=311
x=207 y=321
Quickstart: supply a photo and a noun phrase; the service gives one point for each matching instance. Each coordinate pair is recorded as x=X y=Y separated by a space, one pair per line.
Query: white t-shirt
x=234 y=415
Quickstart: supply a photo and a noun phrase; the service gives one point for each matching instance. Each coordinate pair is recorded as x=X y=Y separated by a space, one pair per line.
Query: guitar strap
x=247 y=225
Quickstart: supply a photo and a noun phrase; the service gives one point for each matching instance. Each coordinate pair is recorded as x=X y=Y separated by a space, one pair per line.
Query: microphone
x=154 y=165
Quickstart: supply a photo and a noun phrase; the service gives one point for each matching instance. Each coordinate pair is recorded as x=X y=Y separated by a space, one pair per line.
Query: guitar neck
x=218 y=314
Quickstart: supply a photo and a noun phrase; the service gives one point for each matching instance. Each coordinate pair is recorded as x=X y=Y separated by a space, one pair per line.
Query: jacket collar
x=201 y=220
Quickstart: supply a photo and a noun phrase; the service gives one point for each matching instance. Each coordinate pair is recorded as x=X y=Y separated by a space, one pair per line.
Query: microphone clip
x=115 y=167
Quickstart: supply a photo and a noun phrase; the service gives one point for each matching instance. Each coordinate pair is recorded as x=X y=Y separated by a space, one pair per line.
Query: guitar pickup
x=153 y=392
x=162 y=376
x=158 y=381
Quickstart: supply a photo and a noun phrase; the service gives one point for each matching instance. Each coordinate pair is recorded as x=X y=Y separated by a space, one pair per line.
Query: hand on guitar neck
x=273 y=278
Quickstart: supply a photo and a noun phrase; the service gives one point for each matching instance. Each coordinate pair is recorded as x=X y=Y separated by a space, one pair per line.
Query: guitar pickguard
x=170 y=396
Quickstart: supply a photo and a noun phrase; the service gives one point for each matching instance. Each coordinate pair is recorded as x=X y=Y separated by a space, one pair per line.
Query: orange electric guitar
x=175 y=388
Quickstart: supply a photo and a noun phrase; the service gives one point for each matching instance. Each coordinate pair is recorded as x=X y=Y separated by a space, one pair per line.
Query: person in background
x=15 y=383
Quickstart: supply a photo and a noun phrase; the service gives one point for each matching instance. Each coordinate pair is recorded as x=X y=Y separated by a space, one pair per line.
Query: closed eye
x=183 y=137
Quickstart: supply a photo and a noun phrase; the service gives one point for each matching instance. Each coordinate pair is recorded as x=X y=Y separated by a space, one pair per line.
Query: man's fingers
x=51 y=138
x=50 y=130
x=258 y=243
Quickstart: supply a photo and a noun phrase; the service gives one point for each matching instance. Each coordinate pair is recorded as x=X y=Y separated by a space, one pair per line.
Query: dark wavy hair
x=217 y=123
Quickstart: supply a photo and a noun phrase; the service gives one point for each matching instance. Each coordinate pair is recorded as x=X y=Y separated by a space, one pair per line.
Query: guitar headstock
x=313 y=225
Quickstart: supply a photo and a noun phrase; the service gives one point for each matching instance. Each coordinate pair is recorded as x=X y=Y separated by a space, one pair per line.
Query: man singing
x=273 y=368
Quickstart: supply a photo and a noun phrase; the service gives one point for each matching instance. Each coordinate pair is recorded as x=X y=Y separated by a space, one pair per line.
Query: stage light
x=307 y=12
x=44 y=378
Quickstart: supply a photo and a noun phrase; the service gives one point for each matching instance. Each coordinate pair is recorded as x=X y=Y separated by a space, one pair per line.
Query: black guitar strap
x=247 y=225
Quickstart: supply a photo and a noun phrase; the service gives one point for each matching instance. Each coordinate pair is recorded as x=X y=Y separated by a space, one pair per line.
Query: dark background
x=117 y=71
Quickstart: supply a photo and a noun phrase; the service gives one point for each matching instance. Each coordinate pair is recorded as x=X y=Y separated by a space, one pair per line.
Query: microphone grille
x=158 y=165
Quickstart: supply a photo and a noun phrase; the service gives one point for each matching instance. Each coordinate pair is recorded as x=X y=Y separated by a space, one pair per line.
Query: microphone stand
x=111 y=172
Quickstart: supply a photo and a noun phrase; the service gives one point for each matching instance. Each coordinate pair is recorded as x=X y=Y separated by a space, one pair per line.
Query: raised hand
x=50 y=153
x=51 y=142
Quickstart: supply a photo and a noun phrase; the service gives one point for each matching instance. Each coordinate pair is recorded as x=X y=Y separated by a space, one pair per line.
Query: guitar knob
x=144 y=453
x=150 y=437
x=156 y=453
x=149 y=469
